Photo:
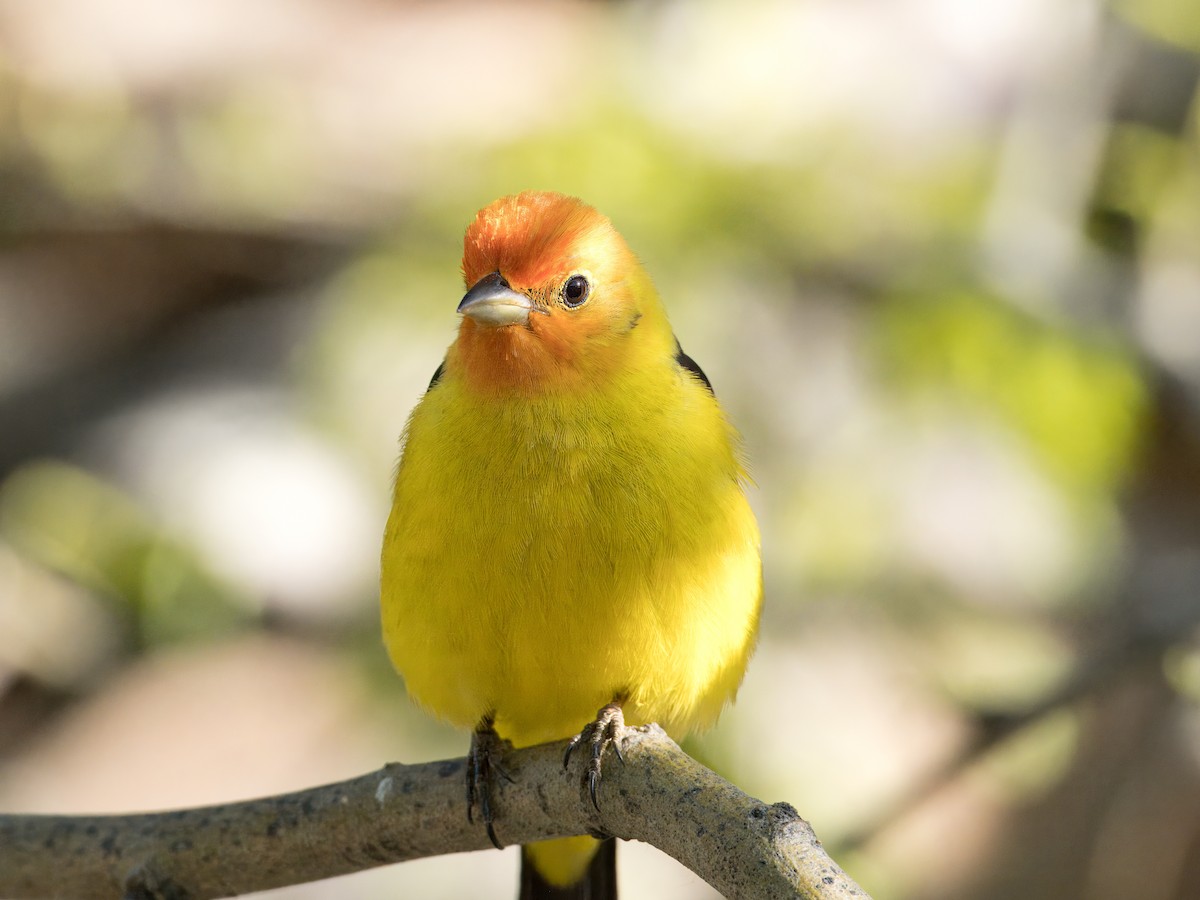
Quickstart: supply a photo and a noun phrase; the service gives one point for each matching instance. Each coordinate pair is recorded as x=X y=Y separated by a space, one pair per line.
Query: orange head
x=554 y=295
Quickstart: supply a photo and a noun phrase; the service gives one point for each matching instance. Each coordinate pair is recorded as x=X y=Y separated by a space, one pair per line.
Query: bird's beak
x=492 y=302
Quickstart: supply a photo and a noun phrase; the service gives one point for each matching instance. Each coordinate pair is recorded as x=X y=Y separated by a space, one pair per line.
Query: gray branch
x=739 y=845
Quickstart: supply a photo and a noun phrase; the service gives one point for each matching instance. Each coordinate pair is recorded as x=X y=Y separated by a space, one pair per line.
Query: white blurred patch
x=265 y=502
x=754 y=76
x=52 y=629
x=1168 y=317
x=973 y=511
x=814 y=713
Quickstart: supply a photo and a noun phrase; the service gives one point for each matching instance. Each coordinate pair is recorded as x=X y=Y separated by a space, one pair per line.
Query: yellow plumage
x=568 y=524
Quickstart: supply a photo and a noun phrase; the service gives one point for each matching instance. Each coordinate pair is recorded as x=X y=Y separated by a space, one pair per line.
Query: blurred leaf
x=677 y=202
x=838 y=533
x=992 y=661
x=1079 y=403
x=1141 y=163
x=1037 y=756
x=1181 y=666
x=1168 y=20
x=90 y=146
x=71 y=521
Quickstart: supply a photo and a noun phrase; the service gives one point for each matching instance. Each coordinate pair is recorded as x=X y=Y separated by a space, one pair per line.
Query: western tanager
x=569 y=529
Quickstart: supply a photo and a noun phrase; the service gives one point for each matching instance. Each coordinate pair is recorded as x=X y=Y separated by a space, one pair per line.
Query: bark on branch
x=739 y=845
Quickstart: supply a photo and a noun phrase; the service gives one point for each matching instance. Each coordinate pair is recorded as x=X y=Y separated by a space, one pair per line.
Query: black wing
x=437 y=376
x=686 y=362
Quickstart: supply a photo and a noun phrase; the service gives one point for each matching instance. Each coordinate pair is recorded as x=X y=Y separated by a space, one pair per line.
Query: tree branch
x=739 y=845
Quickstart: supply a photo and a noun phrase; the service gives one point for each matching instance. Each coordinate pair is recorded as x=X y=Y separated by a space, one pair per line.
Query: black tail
x=598 y=883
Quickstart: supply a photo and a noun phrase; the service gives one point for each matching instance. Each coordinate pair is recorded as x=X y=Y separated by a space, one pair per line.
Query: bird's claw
x=482 y=768
x=599 y=735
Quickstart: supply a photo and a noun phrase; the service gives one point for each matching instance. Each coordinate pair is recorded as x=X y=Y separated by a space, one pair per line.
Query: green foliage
x=1077 y=400
x=678 y=200
x=1168 y=20
x=71 y=521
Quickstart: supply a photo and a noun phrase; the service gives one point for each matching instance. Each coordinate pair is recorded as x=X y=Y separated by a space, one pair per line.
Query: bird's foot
x=483 y=765
x=601 y=734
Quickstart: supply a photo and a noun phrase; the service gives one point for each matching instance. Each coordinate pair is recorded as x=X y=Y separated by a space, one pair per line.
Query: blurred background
x=941 y=261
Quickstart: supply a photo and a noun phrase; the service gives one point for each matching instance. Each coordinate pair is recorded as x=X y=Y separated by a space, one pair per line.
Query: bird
x=569 y=530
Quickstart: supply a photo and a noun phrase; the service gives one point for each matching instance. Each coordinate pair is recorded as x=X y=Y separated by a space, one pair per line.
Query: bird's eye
x=576 y=290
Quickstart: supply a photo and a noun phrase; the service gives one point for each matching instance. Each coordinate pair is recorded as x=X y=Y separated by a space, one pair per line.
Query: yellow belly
x=540 y=561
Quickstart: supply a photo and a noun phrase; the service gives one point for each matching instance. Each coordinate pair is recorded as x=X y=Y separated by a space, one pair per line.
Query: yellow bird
x=569 y=530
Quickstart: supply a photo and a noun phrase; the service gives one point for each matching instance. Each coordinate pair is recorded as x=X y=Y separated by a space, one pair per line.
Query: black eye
x=576 y=290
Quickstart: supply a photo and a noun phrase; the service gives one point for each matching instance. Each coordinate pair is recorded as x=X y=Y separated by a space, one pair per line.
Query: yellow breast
x=546 y=554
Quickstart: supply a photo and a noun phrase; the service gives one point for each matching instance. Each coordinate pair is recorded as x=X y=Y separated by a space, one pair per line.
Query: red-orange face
x=552 y=295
